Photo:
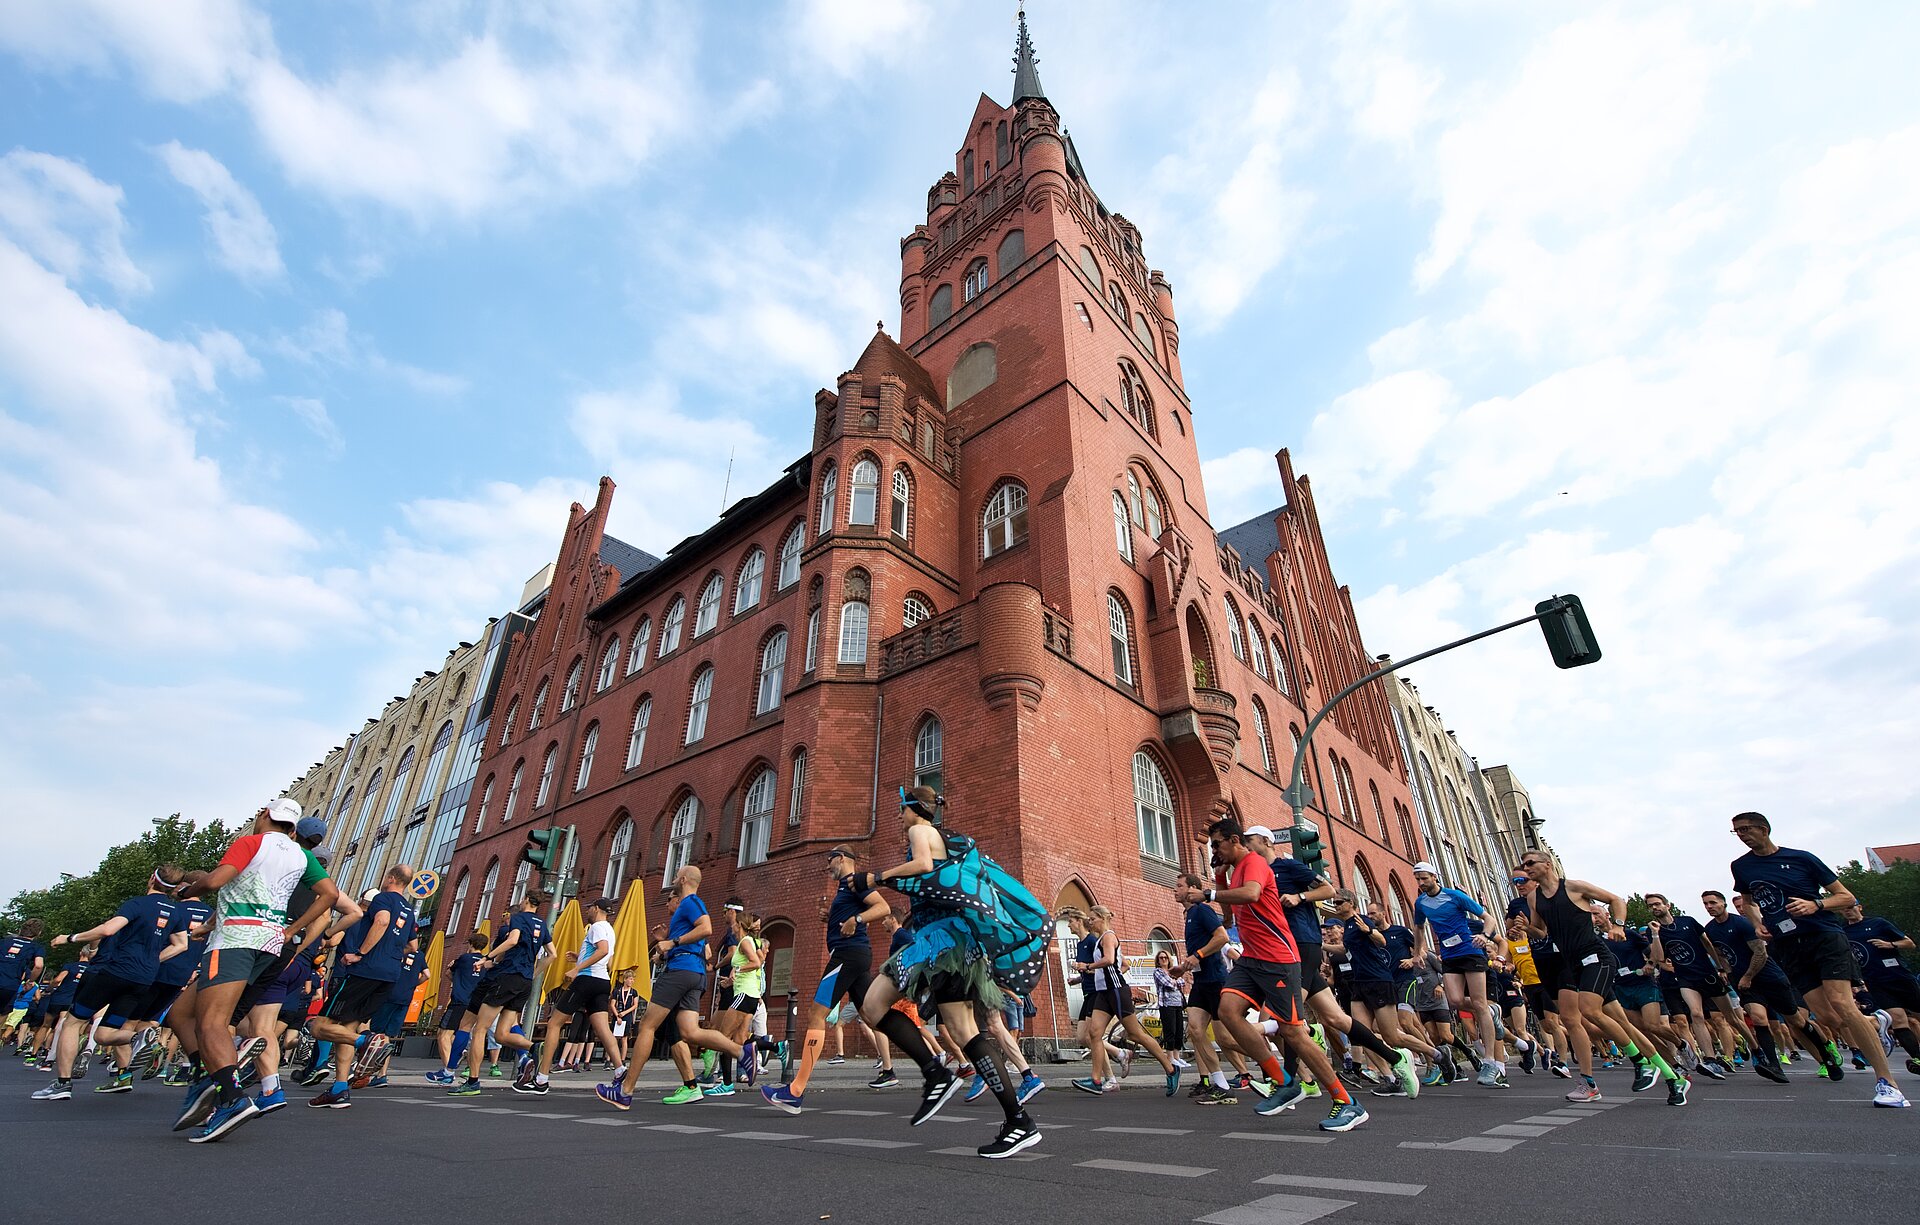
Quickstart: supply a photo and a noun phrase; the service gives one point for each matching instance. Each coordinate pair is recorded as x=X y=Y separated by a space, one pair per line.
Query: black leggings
x=1173 y=1027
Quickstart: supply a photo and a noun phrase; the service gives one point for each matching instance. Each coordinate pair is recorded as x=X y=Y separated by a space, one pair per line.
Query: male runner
x=1453 y=924
x=1561 y=909
x=22 y=961
x=1636 y=983
x=255 y=879
x=1700 y=974
x=1877 y=945
x=1783 y=888
x=849 y=969
x=518 y=950
x=464 y=976
x=1205 y=936
x=587 y=991
x=1364 y=939
x=1763 y=986
x=370 y=968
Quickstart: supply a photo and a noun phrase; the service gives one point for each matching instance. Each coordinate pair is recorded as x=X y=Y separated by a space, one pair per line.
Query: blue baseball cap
x=310 y=827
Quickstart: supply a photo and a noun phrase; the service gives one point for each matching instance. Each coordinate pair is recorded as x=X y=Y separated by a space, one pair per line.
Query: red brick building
x=993 y=571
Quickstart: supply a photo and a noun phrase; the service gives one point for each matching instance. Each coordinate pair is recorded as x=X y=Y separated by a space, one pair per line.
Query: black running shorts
x=1116 y=1002
x=1812 y=956
x=1205 y=997
x=850 y=971
x=1891 y=993
x=507 y=992
x=1466 y=963
x=1774 y=993
x=108 y=995
x=587 y=996
x=1375 y=993
x=1590 y=971
x=355 y=1000
x=1269 y=985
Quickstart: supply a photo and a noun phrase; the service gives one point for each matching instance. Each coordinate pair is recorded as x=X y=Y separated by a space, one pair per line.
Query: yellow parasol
x=568 y=931
x=630 y=951
x=428 y=993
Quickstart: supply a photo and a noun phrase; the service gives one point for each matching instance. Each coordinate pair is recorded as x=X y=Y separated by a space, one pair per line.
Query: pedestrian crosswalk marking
x=1343 y=1184
x=1149 y=1131
x=1148 y=1167
x=975 y=1154
x=1278 y=1137
x=763 y=1135
x=859 y=1142
x=1276 y=1210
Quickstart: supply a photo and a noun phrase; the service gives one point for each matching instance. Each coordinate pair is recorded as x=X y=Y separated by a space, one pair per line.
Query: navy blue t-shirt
x=1773 y=880
x=1684 y=940
x=1084 y=951
x=1878 y=964
x=534 y=936
x=1734 y=937
x=1370 y=964
x=132 y=954
x=383 y=963
x=176 y=970
x=1292 y=876
x=1400 y=944
x=465 y=974
x=1202 y=921
x=62 y=996
x=17 y=955
x=847 y=904
x=901 y=938
x=413 y=968
x=686 y=917
x=1630 y=951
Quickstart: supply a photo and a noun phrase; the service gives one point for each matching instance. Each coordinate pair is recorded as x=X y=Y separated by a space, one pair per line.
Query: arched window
x=797 y=789
x=927 y=771
x=513 y=792
x=697 y=708
x=486 y=802
x=1353 y=792
x=1117 y=299
x=459 y=903
x=1153 y=804
x=570 y=696
x=617 y=852
x=976 y=279
x=1090 y=265
x=1280 y=676
x=1122 y=528
x=1257 y=648
x=545 y=788
x=398 y=794
x=366 y=805
x=680 y=837
x=1133 y=499
x=1234 y=640
x=506 y=728
x=756 y=819
x=813 y=640
x=773 y=673
x=637 y=738
x=1379 y=814
x=829 y=496
x=902 y=513
x=609 y=665
x=940 y=306
x=1410 y=845
x=670 y=626
x=853 y=632
x=1144 y=332
x=706 y=614
x=642 y=639
x=976 y=370
x=1362 y=884
x=1005 y=520
x=1339 y=789
x=1013 y=250
x=863 y=493
x=747 y=594
x=1120 y=637
x=539 y=707
x=522 y=877
x=487 y=888
x=1135 y=398
x=913 y=610
x=588 y=744
x=1261 y=734
x=790 y=550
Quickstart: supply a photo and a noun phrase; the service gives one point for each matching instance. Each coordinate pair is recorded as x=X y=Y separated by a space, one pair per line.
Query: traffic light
x=1307 y=848
x=1569 y=635
x=542 y=849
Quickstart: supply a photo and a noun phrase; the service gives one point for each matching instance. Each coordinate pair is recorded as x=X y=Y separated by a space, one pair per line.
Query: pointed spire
x=1026 y=77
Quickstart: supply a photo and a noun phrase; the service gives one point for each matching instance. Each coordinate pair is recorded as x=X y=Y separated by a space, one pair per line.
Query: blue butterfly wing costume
x=976 y=932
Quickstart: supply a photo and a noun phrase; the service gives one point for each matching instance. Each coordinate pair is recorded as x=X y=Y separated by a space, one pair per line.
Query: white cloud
x=244 y=242
x=183 y=51
x=67 y=219
x=846 y=36
x=1373 y=436
x=328 y=338
x=1240 y=485
x=313 y=414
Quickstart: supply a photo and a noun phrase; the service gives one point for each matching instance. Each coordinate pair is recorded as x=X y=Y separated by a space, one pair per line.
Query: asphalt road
x=1744 y=1149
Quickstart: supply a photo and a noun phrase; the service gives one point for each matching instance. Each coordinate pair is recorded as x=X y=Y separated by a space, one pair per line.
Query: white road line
x=861 y=1114
x=1470 y=1144
x=974 y=1153
x=599 y=1121
x=1276 y=1210
x=682 y=1129
x=1343 y=1184
x=1516 y=1129
x=497 y=1110
x=411 y=1101
x=763 y=1135
x=533 y=1114
x=1549 y=1120
x=1148 y=1167
x=1149 y=1131
x=859 y=1142
x=1278 y=1137
x=452 y=1105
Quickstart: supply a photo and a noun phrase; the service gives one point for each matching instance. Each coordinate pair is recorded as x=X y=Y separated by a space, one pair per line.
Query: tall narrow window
x=459 y=903
x=1379 y=814
x=706 y=614
x=539 y=707
x=588 y=744
x=1013 y=249
x=397 y=794
x=670 y=626
x=829 y=497
x=790 y=550
x=1002 y=148
x=966 y=173
x=853 y=632
x=513 y=793
x=697 y=708
x=914 y=610
x=680 y=839
x=797 y=789
x=637 y=738
x=813 y=640
x=545 y=788
x=1151 y=502
x=1122 y=529
x=486 y=802
x=902 y=502
x=1133 y=499
x=1280 y=677
x=1117 y=299
x=617 y=852
x=1090 y=265
x=940 y=306
x=1005 y=520
x=976 y=279
x=773 y=671
x=609 y=665
x=1257 y=648
x=570 y=696
x=506 y=727
x=752 y=574
x=642 y=639
x=927 y=771
x=1262 y=735
x=487 y=887
x=1153 y=805
x=756 y=819
x=1234 y=638
x=863 y=493
x=522 y=877
x=1120 y=635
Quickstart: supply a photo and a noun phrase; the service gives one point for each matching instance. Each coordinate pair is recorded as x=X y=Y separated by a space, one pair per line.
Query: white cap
x=284 y=811
x=1258 y=831
x=1424 y=866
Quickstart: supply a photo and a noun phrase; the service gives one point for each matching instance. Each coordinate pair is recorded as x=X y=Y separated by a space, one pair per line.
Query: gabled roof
x=883 y=356
x=628 y=560
x=1255 y=540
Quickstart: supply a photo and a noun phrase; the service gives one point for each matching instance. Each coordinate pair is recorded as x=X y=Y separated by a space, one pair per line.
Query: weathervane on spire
x=1026 y=77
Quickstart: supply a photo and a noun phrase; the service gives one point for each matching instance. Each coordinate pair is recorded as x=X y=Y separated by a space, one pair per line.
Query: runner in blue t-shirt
x=464 y=977
x=21 y=962
x=497 y=1005
x=1453 y=925
x=370 y=967
x=1205 y=935
x=1877 y=945
x=1763 y=988
x=1699 y=975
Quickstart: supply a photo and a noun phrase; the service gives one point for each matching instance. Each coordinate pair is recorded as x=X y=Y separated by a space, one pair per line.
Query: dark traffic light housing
x=1308 y=850
x=1569 y=634
x=542 y=849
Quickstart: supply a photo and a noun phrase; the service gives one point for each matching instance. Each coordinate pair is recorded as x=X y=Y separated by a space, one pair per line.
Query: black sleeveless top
x=1570 y=926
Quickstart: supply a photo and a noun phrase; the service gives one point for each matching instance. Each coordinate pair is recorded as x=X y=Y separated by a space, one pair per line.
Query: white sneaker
x=1886 y=1094
x=1181 y=1065
x=1884 y=1023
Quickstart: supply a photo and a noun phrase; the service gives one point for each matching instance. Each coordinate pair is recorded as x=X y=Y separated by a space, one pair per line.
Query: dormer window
x=976 y=278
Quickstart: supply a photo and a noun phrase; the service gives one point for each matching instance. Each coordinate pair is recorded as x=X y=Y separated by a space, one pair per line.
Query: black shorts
x=259 y=990
x=1712 y=989
x=587 y=996
x=1116 y=1002
x=1589 y=971
x=1375 y=993
x=453 y=1016
x=158 y=999
x=1891 y=993
x=1546 y=963
x=741 y=1002
x=1539 y=998
x=1205 y=997
x=113 y=998
x=353 y=1001
x=1272 y=986
x=848 y=974
x=1813 y=956
x=1087 y=997
x=1774 y=993
x=1465 y=963
x=507 y=992
x=1313 y=961
x=1511 y=999
x=1675 y=1002
x=678 y=990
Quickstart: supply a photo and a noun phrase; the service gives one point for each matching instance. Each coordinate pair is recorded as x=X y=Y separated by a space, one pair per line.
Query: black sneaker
x=532 y=1086
x=1677 y=1091
x=886 y=1080
x=942 y=1087
x=1772 y=1071
x=1013 y=1138
x=1708 y=1070
x=1392 y=1090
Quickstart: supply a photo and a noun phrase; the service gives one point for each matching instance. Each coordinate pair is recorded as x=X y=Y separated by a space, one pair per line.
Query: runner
x=22 y=961
x=1783 y=889
x=746 y=980
x=1113 y=1000
x=59 y=998
x=1363 y=940
x=370 y=966
x=462 y=977
x=1700 y=977
x=1877 y=945
x=848 y=973
x=1560 y=909
x=383 y=1034
x=255 y=880
x=1763 y=989
x=1455 y=925
x=586 y=992
x=1636 y=984
x=513 y=957
x=1205 y=937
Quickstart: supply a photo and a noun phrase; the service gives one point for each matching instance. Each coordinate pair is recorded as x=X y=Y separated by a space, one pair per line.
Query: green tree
x=1639 y=914
x=1894 y=895
x=79 y=902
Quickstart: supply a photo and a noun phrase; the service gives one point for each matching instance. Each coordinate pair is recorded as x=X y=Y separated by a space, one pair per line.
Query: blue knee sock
x=322 y=1054
x=461 y=1041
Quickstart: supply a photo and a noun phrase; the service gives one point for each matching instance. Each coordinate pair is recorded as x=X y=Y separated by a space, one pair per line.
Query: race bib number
x=1346 y=965
x=1890 y=962
x=1450 y=941
x=1784 y=926
x=1591 y=959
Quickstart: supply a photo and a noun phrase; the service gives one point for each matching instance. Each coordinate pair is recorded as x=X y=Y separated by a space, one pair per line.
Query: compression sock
x=1768 y=1054
x=228 y=1078
x=810 y=1049
x=461 y=1041
x=986 y=1061
x=1276 y=1071
x=726 y=1068
x=1907 y=1041
x=1366 y=1039
x=322 y=1054
x=907 y=1036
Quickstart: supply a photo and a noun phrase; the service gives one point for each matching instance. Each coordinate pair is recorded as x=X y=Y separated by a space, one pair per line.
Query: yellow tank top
x=1523 y=963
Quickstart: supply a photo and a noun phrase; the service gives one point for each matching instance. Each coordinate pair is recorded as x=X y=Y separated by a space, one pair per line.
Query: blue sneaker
x=612 y=1096
x=1173 y=1082
x=976 y=1088
x=1029 y=1086
x=1087 y=1084
x=224 y=1120
x=440 y=1076
x=270 y=1102
x=1345 y=1116
x=203 y=1096
x=719 y=1090
x=782 y=1097
x=378 y=1082
x=1284 y=1098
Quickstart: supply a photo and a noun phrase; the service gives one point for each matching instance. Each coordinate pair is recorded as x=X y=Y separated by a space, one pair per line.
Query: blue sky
x=311 y=325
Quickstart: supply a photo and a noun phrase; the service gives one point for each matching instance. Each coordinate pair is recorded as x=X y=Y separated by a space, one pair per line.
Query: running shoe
x=709 y=1062
x=1285 y=1098
x=1836 y=1070
x=1242 y=1081
x=1311 y=1089
x=975 y=1088
x=1488 y=1075
x=1561 y=1070
x=1884 y=1025
x=202 y=1098
x=937 y=1092
x=533 y=1086
x=1584 y=1093
x=720 y=1090
x=493 y=1069
x=1393 y=1090
x=1526 y=1060
x=1645 y=1077
x=58 y=1091
x=1772 y=1071
x=1859 y=1062
x=1212 y=1096
x=612 y=1096
x=440 y=1076
x=143 y=1051
x=750 y=1066
x=836 y=1061
x=119 y=1082
x=1345 y=1116
x=1126 y=1063
x=781 y=1097
x=270 y=1102
x=1913 y=1064
x=1708 y=1070
x=1409 y=1076
x=470 y=1087
x=1199 y=1087
x=378 y=1082
x=155 y=1067
x=1173 y=1082
x=225 y=1120
x=1677 y=1091
x=332 y=1099
x=1087 y=1084
x=1030 y=1086
x=1182 y=1064
x=524 y=1071
x=177 y=1078
x=681 y=1096
x=886 y=1080
x=1263 y=1087
x=1886 y=1094
x=1432 y=1077
x=1013 y=1138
